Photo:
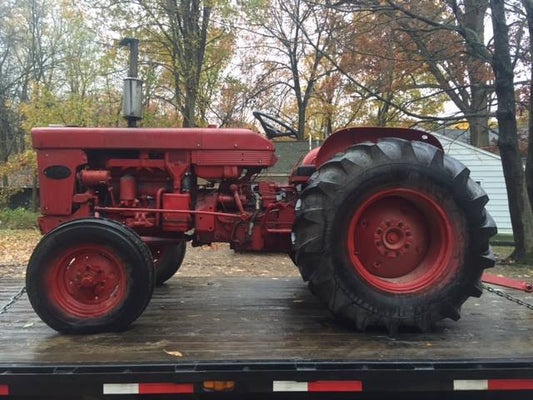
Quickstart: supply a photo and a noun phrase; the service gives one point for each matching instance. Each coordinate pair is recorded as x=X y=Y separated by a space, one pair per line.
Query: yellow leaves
x=462 y=125
x=18 y=162
x=173 y=353
x=16 y=247
x=48 y=108
x=42 y=109
x=19 y=170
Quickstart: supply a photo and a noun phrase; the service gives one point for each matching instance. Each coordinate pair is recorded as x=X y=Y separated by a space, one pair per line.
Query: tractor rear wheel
x=89 y=276
x=393 y=234
x=167 y=260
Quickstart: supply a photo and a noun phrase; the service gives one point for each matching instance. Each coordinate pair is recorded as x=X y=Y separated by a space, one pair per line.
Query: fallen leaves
x=217 y=260
x=16 y=247
x=173 y=353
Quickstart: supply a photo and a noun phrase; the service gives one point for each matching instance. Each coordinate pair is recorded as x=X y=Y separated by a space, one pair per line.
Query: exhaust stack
x=132 y=103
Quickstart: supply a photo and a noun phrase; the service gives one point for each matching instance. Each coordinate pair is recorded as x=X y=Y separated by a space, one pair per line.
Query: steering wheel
x=268 y=122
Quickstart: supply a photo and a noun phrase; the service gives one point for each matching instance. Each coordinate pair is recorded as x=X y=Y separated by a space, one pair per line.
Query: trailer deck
x=264 y=330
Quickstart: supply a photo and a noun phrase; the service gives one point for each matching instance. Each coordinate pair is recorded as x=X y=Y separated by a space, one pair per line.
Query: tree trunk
x=189 y=111
x=474 y=20
x=301 y=120
x=528 y=5
x=521 y=212
x=328 y=125
x=478 y=127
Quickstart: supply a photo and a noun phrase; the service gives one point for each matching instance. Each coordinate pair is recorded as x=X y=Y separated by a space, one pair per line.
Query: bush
x=19 y=218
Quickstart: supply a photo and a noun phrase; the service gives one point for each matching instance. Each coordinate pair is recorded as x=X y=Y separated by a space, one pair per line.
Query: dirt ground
x=217 y=260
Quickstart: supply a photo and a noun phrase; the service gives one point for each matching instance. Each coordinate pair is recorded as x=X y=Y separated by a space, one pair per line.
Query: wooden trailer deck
x=204 y=319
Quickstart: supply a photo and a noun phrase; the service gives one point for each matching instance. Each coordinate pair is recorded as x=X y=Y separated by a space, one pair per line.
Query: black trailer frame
x=399 y=378
x=265 y=338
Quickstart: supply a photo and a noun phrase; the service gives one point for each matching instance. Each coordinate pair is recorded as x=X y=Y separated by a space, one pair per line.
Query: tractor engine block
x=172 y=195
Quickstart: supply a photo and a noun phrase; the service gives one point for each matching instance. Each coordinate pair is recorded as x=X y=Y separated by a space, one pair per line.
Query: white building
x=486 y=169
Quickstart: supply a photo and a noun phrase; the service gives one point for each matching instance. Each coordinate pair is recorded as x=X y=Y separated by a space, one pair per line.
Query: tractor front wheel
x=393 y=234
x=89 y=276
x=167 y=260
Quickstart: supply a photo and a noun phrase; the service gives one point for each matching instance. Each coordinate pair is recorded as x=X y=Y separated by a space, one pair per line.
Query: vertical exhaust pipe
x=132 y=103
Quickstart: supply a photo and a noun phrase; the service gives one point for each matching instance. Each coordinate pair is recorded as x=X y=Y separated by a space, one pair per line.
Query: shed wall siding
x=485 y=168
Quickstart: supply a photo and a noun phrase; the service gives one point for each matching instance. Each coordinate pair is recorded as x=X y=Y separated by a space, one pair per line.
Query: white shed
x=486 y=169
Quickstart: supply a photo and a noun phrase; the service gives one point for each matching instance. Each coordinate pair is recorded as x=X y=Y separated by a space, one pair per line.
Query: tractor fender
x=339 y=141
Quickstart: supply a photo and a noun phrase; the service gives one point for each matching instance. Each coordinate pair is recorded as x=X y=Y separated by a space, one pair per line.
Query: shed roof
x=289 y=152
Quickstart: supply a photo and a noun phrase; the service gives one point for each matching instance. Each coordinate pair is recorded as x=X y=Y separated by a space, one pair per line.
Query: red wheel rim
x=87 y=281
x=401 y=241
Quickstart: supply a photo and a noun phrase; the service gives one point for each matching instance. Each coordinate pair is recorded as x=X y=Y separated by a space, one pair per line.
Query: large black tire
x=90 y=275
x=167 y=260
x=406 y=208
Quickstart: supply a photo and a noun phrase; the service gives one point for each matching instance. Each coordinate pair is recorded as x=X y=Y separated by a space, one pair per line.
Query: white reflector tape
x=477 y=384
x=289 y=386
x=121 y=388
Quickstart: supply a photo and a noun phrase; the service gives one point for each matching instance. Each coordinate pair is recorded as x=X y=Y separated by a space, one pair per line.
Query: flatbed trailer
x=265 y=338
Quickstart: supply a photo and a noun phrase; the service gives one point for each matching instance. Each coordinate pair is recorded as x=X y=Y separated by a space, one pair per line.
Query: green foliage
x=47 y=107
x=25 y=162
x=19 y=218
x=6 y=193
x=502 y=239
x=185 y=46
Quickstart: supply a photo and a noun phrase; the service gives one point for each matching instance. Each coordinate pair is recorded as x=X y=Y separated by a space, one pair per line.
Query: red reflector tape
x=335 y=386
x=317 y=386
x=493 y=384
x=147 y=388
x=4 y=390
x=510 y=384
x=165 y=388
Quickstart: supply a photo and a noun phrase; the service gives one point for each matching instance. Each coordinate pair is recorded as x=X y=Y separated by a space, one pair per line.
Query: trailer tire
x=393 y=234
x=167 y=261
x=90 y=275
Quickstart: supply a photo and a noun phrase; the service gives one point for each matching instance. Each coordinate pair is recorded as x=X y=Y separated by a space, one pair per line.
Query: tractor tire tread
x=321 y=198
x=136 y=303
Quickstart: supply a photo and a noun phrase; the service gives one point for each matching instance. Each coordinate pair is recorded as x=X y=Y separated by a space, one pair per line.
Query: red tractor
x=386 y=228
